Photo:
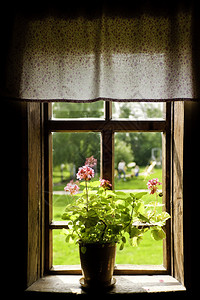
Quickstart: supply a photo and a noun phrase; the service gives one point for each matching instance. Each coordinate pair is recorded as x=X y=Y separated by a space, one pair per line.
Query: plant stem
x=154 y=211
x=86 y=187
x=103 y=229
x=130 y=218
x=155 y=205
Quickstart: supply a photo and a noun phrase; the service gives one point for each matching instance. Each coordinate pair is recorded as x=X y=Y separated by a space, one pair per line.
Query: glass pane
x=149 y=252
x=138 y=158
x=138 y=110
x=70 y=151
x=93 y=110
x=64 y=253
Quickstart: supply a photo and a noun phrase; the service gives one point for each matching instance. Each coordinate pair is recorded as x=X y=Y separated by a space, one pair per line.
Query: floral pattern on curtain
x=121 y=58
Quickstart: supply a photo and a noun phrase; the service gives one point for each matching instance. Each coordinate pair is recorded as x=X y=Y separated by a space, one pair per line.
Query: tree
x=78 y=110
x=123 y=151
x=142 y=143
x=138 y=110
x=75 y=147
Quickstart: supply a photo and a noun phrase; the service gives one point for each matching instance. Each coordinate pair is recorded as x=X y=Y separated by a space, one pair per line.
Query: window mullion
x=108 y=110
x=107 y=155
x=48 y=189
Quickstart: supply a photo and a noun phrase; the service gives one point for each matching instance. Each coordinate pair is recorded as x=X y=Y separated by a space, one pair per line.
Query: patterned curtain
x=139 y=55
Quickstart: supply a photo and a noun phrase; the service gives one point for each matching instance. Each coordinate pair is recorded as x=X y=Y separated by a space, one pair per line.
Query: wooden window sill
x=120 y=269
x=126 y=284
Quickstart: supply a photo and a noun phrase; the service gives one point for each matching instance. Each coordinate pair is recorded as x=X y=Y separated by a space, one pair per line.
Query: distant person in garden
x=137 y=170
x=121 y=169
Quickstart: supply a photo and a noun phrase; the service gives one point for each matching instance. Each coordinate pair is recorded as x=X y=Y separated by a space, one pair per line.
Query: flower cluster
x=153 y=185
x=72 y=187
x=91 y=161
x=105 y=184
x=85 y=173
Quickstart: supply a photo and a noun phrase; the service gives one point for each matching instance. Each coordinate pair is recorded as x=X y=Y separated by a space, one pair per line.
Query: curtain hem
x=101 y=99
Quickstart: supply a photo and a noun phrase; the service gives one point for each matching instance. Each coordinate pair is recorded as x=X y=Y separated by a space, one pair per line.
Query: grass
x=139 y=182
x=130 y=183
x=148 y=252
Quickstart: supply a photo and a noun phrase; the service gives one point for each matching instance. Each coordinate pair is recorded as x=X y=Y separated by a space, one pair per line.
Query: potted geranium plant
x=101 y=217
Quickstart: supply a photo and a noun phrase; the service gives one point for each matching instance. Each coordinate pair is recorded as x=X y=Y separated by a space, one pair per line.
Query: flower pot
x=97 y=263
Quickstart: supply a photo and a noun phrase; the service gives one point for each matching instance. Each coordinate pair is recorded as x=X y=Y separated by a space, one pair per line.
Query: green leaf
x=164 y=216
x=89 y=222
x=65 y=216
x=94 y=183
x=143 y=218
x=121 y=246
x=125 y=218
x=67 y=238
x=120 y=206
x=119 y=193
x=124 y=239
x=139 y=207
x=83 y=249
x=92 y=213
x=115 y=228
x=138 y=196
x=110 y=193
x=158 y=234
x=133 y=232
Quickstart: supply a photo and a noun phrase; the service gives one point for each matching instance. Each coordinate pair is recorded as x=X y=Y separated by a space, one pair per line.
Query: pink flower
x=153 y=185
x=91 y=161
x=105 y=184
x=72 y=187
x=85 y=173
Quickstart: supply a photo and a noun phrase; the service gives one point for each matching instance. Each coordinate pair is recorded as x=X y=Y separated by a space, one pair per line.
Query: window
x=103 y=128
x=180 y=160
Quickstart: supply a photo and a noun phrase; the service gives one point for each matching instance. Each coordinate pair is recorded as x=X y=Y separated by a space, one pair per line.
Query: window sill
x=126 y=284
x=126 y=269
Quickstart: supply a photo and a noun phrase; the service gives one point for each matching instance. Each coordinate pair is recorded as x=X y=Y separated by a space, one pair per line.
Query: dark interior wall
x=191 y=198
x=14 y=193
x=14 y=186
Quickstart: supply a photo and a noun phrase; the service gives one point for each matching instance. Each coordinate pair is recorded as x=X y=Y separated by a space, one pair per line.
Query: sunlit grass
x=149 y=252
x=139 y=182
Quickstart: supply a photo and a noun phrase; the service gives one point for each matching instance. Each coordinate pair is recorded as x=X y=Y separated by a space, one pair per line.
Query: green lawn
x=130 y=183
x=139 y=182
x=148 y=252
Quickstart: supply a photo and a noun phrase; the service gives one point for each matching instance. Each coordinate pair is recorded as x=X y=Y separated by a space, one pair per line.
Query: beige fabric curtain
x=143 y=55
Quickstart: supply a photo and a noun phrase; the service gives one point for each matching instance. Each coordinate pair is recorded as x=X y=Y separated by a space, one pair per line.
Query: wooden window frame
x=32 y=157
x=107 y=127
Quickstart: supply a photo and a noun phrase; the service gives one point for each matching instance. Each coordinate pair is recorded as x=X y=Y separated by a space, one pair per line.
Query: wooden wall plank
x=48 y=188
x=34 y=192
x=177 y=192
x=166 y=181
